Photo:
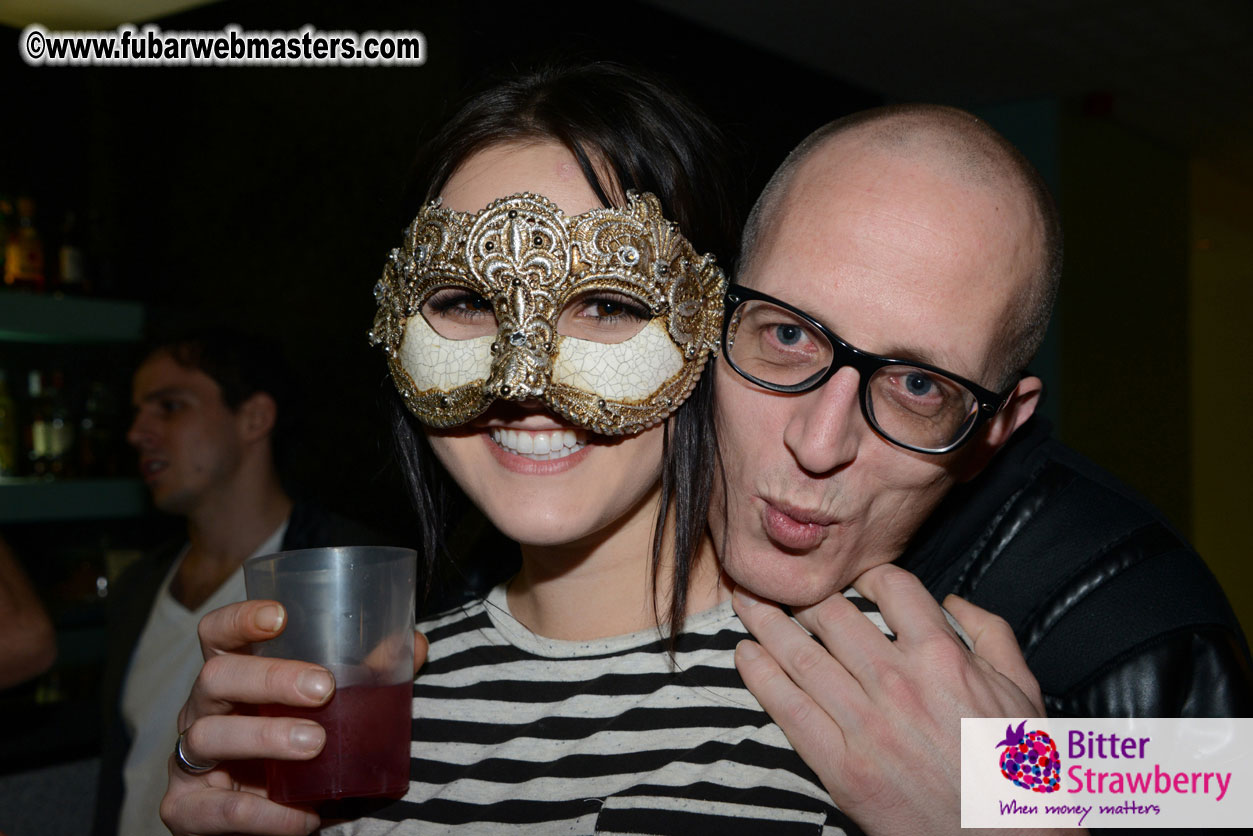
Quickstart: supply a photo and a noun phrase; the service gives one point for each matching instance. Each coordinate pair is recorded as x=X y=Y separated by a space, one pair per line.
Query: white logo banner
x=1107 y=772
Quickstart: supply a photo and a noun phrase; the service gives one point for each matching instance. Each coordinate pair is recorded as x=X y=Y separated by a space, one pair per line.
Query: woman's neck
x=603 y=585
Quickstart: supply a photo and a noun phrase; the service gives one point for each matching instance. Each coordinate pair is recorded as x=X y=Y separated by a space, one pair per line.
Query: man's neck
x=224 y=532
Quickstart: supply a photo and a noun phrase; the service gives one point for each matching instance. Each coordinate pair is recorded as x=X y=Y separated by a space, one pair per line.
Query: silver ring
x=186 y=765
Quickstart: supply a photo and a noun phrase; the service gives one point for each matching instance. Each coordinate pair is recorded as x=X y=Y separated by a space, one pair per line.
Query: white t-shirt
x=162 y=669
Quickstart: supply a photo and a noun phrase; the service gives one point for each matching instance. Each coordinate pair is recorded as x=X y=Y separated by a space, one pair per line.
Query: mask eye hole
x=457 y=313
x=603 y=316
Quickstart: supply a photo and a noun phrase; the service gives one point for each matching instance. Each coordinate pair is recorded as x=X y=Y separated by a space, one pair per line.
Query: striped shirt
x=515 y=733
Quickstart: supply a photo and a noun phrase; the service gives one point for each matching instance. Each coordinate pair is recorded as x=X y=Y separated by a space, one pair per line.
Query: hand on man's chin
x=855 y=705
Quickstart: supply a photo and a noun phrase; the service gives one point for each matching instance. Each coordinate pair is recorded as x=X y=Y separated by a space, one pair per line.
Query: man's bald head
x=967 y=151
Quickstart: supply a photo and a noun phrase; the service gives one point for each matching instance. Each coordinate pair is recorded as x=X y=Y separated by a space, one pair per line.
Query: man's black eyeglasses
x=913 y=405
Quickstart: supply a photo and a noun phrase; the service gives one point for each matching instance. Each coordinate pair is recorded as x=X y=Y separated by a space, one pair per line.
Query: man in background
x=213 y=411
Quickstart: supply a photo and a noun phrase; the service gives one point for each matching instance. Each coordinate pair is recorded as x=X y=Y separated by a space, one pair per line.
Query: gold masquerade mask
x=607 y=316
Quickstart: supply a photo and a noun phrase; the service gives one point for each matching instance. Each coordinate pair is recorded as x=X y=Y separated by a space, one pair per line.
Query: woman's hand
x=220 y=728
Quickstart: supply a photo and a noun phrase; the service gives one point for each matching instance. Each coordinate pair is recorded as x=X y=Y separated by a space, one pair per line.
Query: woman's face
x=541 y=480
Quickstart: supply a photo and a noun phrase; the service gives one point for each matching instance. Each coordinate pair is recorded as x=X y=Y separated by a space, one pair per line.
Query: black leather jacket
x=1116 y=614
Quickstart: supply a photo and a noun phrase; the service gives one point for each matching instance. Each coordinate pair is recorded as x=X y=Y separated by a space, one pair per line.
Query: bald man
x=874 y=413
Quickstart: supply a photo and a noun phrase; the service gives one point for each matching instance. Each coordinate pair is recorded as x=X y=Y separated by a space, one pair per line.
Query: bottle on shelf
x=50 y=431
x=99 y=434
x=8 y=430
x=24 y=251
x=101 y=247
x=37 y=425
x=72 y=258
x=61 y=429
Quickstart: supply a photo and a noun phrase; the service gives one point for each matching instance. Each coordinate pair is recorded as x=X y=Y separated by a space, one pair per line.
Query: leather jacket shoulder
x=1115 y=613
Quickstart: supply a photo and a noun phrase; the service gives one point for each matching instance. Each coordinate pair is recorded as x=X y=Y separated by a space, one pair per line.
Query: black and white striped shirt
x=515 y=733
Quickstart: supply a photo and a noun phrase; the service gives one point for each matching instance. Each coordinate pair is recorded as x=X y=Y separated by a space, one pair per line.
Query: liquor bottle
x=37 y=426
x=60 y=429
x=50 y=433
x=98 y=435
x=8 y=430
x=71 y=258
x=102 y=250
x=24 y=253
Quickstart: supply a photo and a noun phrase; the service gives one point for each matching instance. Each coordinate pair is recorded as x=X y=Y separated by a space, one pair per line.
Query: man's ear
x=1020 y=407
x=256 y=416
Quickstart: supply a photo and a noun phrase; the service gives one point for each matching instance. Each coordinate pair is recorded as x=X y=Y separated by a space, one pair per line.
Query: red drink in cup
x=360 y=758
x=350 y=610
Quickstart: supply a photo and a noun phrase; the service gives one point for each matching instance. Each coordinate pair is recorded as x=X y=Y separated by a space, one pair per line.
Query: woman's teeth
x=540 y=446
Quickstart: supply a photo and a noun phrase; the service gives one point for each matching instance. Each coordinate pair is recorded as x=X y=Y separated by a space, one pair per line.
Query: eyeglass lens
x=912 y=406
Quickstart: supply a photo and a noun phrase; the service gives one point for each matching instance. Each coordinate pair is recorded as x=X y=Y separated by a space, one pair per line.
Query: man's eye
x=788 y=334
x=918 y=384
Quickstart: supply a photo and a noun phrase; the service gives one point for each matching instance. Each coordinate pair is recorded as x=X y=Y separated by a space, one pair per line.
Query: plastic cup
x=349 y=609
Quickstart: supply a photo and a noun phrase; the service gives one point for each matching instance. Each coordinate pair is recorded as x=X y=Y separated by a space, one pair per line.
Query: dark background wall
x=269 y=197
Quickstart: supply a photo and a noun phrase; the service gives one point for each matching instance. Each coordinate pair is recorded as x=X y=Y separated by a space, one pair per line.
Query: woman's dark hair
x=628 y=131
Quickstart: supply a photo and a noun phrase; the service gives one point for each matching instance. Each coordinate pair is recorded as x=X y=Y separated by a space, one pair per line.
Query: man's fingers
x=234 y=738
x=995 y=643
x=812 y=732
x=802 y=659
x=790 y=707
x=235 y=626
x=233 y=812
x=907 y=606
x=849 y=636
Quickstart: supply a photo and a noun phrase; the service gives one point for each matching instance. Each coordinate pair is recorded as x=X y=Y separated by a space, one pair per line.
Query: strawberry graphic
x=1030 y=759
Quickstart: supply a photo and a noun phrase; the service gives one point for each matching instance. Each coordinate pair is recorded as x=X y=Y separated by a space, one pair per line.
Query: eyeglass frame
x=865 y=364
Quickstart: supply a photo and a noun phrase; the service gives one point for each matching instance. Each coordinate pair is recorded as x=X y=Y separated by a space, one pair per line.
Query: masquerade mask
x=607 y=317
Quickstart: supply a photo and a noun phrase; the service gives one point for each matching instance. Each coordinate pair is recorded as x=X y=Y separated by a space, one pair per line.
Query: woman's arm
x=28 y=642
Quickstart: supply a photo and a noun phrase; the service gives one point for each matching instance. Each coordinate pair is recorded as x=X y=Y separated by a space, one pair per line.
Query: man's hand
x=880 y=721
x=220 y=729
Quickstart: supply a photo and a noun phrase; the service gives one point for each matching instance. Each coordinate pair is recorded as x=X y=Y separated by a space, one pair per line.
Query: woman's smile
x=544 y=452
x=539 y=445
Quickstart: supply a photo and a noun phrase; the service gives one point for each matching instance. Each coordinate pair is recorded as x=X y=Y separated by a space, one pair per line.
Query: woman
x=563 y=322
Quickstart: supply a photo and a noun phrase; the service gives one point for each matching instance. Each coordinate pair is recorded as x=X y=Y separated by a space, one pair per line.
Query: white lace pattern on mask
x=627 y=371
x=435 y=362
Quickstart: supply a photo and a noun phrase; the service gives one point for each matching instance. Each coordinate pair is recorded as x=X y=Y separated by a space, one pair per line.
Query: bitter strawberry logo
x=1030 y=759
